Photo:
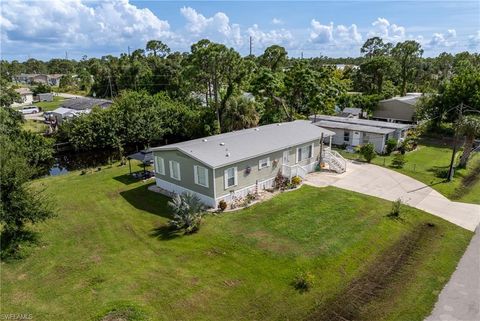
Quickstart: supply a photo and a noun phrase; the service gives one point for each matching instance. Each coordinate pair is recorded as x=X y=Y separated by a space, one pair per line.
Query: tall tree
x=375 y=46
x=157 y=48
x=274 y=57
x=240 y=113
x=407 y=54
x=470 y=127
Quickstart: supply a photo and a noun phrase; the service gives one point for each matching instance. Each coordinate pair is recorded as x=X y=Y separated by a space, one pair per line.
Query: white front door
x=285 y=157
x=356 y=138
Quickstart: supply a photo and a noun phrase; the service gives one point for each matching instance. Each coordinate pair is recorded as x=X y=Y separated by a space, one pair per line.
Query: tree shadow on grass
x=165 y=232
x=13 y=246
x=126 y=179
x=143 y=199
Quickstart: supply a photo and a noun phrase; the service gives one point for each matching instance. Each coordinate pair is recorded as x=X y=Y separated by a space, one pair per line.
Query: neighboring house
x=355 y=132
x=231 y=165
x=351 y=112
x=397 y=109
x=26 y=97
x=53 y=79
x=77 y=106
x=44 y=97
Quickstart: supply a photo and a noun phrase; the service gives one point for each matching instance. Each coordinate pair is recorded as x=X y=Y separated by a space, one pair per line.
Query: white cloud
x=447 y=39
x=340 y=35
x=277 y=21
x=79 y=24
x=386 y=30
x=216 y=27
x=267 y=38
x=474 y=40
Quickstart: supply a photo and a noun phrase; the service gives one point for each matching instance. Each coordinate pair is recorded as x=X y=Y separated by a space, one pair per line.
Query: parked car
x=47 y=115
x=29 y=110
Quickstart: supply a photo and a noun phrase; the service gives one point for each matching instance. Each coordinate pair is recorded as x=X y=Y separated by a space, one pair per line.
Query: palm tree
x=470 y=127
x=240 y=113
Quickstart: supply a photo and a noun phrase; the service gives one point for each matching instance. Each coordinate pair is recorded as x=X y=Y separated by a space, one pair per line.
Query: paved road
x=390 y=185
x=460 y=298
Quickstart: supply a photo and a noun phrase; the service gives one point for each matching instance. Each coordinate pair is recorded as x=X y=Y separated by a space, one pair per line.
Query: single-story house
x=26 y=97
x=53 y=79
x=351 y=112
x=44 y=97
x=231 y=165
x=355 y=132
x=397 y=109
x=60 y=114
x=77 y=106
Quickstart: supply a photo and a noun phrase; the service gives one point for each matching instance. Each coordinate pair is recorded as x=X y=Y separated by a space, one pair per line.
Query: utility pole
x=251 y=45
x=66 y=55
x=455 y=139
x=301 y=55
x=129 y=51
x=110 y=84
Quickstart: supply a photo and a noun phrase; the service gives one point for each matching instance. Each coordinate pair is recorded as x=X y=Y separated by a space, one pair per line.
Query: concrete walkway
x=390 y=185
x=460 y=298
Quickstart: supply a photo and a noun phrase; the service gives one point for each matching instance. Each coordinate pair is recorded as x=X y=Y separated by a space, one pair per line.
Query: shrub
x=391 y=145
x=187 y=212
x=396 y=209
x=296 y=180
x=280 y=181
x=304 y=281
x=222 y=205
x=368 y=152
x=398 y=160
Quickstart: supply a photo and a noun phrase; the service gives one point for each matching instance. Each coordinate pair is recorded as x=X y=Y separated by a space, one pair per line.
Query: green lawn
x=108 y=247
x=35 y=126
x=50 y=105
x=425 y=163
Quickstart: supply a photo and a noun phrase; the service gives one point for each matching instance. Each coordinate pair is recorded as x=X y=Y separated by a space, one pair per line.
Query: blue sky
x=54 y=28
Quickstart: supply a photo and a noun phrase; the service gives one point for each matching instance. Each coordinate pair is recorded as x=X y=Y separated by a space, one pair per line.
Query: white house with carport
x=354 y=132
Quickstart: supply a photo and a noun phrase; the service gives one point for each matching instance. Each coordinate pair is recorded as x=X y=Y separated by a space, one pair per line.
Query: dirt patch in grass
x=467 y=182
x=375 y=281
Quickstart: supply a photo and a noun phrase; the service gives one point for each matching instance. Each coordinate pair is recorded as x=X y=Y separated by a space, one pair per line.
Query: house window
x=264 y=163
x=346 y=136
x=230 y=177
x=304 y=152
x=175 y=170
x=201 y=175
x=159 y=165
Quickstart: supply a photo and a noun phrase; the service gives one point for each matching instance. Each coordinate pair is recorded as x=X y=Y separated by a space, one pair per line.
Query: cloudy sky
x=54 y=28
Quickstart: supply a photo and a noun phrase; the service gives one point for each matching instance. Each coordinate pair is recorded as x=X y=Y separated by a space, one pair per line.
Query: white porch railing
x=295 y=170
x=335 y=161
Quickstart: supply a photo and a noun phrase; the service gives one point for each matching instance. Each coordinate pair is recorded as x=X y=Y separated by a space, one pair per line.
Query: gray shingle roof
x=85 y=103
x=351 y=110
x=362 y=128
x=248 y=143
x=366 y=122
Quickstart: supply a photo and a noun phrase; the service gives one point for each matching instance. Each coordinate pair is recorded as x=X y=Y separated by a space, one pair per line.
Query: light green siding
x=256 y=174
x=186 y=172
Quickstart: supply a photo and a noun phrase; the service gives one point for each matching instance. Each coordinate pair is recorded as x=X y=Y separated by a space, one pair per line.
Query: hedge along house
x=231 y=165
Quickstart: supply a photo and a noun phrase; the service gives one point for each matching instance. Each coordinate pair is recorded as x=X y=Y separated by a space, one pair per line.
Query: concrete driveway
x=390 y=185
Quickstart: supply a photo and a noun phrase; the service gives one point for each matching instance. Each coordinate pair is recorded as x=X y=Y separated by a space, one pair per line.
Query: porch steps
x=335 y=161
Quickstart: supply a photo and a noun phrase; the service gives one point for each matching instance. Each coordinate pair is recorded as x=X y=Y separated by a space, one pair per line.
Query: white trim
x=242 y=192
x=260 y=162
x=159 y=160
x=195 y=175
x=171 y=163
x=225 y=177
x=174 y=188
x=296 y=155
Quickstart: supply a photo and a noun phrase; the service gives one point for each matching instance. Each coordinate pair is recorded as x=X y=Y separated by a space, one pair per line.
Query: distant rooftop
x=365 y=122
x=363 y=128
x=23 y=91
x=85 y=103
x=228 y=148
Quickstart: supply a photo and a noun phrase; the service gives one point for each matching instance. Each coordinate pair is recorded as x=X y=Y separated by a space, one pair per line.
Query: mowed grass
x=35 y=126
x=108 y=247
x=50 y=105
x=426 y=163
